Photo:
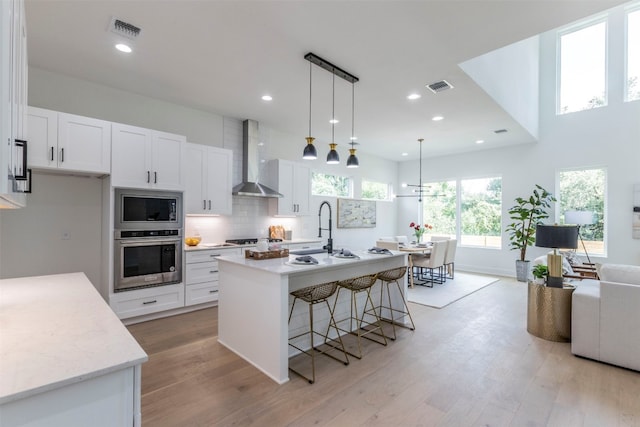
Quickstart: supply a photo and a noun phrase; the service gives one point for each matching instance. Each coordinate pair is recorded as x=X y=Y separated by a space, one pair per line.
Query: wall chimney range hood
x=251 y=165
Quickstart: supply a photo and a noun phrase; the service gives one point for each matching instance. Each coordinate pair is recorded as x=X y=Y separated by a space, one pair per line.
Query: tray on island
x=278 y=253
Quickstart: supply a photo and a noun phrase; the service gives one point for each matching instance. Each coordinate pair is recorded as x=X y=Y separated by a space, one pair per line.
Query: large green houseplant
x=526 y=214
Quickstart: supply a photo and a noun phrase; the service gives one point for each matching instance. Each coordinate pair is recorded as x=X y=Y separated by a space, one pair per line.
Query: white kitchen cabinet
x=202 y=274
x=208 y=180
x=293 y=181
x=144 y=158
x=68 y=142
x=13 y=99
x=139 y=302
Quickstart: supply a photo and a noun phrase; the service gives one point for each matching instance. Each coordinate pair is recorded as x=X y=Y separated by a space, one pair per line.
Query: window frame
x=628 y=11
x=605 y=209
x=349 y=185
x=389 y=197
x=601 y=18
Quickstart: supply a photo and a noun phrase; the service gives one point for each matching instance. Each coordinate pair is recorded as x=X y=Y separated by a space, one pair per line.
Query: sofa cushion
x=620 y=273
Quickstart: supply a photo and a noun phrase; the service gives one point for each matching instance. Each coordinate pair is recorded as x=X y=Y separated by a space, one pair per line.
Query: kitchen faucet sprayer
x=329 y=245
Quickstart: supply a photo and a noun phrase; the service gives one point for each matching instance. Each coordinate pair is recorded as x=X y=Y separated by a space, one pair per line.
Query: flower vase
x=418 y=239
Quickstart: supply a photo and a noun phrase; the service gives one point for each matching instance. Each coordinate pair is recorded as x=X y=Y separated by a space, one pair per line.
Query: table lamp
x=556 y=237
x=579 y=218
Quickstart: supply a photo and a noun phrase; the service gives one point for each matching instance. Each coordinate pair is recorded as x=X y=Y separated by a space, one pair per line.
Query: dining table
x=413 y=249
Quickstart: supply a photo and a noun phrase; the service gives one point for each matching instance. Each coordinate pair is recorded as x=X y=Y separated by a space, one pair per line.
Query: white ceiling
x=222 y=56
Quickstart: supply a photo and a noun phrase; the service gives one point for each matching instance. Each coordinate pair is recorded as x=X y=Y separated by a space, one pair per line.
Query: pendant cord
x=310 y=65
x=333 y=111
x=353 y=94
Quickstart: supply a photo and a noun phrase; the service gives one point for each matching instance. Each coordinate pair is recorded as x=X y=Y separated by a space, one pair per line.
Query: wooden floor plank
x=471 y=363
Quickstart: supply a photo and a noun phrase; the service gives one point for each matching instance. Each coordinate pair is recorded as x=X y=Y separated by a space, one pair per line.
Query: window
x=584 y=190
x=375 y=190
x=323 y=184
x=583 y=68
x=633 y=55
x=439 y=207
x=481 y=212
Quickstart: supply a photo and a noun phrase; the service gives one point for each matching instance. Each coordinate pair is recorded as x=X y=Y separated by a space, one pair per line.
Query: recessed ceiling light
x=123 y=48
x=334 y=121
x=405 y=154
x=267 y=98
x=414 y=96
x=437 y=118
x=479 y=141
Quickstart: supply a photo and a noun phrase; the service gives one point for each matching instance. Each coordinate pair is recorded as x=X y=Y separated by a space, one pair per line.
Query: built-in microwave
x=147 y=210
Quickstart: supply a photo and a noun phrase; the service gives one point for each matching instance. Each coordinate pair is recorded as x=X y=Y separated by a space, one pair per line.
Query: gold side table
x=549 y=312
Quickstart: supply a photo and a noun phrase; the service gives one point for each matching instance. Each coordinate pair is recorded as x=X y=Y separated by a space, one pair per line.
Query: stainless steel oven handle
x=147 y=242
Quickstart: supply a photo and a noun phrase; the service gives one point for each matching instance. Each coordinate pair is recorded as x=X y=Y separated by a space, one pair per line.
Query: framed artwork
x=356 y=213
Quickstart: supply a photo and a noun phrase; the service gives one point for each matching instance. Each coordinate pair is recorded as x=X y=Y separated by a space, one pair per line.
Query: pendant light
x=332 y=157
x=310 y=152
x=352 y=161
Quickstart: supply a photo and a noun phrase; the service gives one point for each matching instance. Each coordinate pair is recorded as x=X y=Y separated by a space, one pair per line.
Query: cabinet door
x=285 y=187
x=84 y=144
x=202 y=272
x=131 y=153
x=42 y=137
x=301 y=189
x=168 y=155
x=195 y=164
x=218 y=181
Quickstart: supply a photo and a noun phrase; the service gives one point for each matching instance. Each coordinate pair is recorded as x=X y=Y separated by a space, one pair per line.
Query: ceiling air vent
x=500 y=131
x=440 y=86
x=124 y=29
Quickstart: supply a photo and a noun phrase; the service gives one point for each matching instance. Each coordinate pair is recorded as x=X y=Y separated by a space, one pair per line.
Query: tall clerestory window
x=583 y=58
x=633 y=55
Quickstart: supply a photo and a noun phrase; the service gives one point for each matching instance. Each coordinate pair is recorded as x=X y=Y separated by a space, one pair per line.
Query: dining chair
x=384 y=244
x=431 y=269
x=450 y=256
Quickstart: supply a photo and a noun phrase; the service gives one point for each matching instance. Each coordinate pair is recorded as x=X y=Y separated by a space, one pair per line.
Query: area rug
x=450 y=291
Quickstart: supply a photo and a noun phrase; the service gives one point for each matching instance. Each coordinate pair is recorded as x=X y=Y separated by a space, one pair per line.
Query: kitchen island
x=254 y=301
x=65 y=357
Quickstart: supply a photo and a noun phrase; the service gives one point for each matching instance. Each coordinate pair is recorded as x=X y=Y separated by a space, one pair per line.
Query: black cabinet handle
x=150 y=302
x=52 y=153
x=148 y=177
x=209 y=204
x=212 y=292
x=61 y=155
x=155 y=177
x=204 y=205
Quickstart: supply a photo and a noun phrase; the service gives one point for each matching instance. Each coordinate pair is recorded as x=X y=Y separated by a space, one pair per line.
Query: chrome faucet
x=329 y=245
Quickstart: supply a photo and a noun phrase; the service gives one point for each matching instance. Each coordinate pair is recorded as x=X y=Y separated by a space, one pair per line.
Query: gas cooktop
x=249 y=241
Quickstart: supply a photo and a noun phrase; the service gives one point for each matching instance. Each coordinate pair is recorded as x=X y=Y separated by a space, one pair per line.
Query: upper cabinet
x=208 y=180
x=144 y=158
x=13 y=100
x=293 y=181
x=68 y=142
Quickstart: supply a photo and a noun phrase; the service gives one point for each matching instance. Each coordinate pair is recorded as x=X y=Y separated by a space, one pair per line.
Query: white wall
x=606 y=137
x=33 y=238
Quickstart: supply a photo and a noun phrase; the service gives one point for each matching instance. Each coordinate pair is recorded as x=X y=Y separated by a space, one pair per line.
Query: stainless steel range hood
x=251 y=165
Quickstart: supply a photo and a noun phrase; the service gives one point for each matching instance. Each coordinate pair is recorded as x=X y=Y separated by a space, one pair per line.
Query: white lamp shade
x=578 y=217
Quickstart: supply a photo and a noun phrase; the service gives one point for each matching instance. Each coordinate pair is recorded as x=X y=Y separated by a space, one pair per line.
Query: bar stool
x=387 y=277
x=313 y=295
x=357 y=285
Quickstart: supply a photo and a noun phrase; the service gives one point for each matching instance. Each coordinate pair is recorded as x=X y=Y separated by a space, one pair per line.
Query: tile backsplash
x=250 y=219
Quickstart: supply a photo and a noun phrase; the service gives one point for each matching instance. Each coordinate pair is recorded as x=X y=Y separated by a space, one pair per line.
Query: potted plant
x=526 y=214
x=540 y=273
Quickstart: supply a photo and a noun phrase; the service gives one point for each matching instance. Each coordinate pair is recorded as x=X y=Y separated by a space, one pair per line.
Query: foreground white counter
x=253 y=305
x=65 y=358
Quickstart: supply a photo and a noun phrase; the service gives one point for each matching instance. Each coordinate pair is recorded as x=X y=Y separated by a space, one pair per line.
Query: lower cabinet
x=202 y=275
x=146 y=301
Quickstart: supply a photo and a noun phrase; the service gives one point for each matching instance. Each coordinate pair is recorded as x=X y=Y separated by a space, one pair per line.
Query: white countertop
x=286 y=266
x=57 y=330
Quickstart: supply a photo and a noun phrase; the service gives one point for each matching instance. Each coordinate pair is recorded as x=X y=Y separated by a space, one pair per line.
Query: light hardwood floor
x=469 y=364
